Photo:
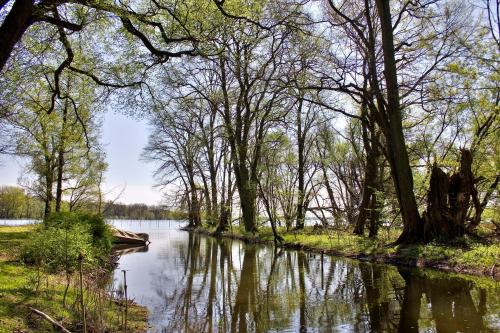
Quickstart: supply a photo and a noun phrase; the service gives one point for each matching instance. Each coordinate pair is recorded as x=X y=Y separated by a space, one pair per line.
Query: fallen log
x=54 y=322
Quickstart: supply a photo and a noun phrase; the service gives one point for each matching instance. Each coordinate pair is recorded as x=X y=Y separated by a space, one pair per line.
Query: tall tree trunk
x=248 y=200
x=13 y=28
x=194 y=209
x=226 y=200
x=393 y=131
x=214 y=217
x=374 y=217
x=300 y=171
x=49 y=197
x=213 y=175
x=60 y=158
x=370 y=176
x=207 y=194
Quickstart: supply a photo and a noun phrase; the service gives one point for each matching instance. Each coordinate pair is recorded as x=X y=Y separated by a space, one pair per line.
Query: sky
x=123 y=139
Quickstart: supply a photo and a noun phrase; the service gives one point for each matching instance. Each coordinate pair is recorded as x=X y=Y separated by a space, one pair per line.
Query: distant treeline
x=140 y=212
x=16 y=203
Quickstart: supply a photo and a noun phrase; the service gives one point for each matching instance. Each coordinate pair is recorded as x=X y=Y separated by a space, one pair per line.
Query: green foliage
x=57 y=244
x=15 y=204
x=58 y=249
x=464 y=252
x=18 y=288
x=481 y=256
x=100 y=232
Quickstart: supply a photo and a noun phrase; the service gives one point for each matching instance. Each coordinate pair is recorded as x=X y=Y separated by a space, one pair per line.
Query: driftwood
x=54 y=322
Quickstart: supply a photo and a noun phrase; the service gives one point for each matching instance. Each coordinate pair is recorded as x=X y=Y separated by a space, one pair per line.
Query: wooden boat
x=127 y=237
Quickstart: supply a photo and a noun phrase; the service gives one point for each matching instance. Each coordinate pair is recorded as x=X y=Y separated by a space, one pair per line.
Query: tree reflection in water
x=227 y=286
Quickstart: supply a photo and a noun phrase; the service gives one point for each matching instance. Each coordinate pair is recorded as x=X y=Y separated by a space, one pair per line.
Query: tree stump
x=449 y=200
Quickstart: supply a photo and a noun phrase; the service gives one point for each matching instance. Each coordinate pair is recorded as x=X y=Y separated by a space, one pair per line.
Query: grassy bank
x=478 y=256
x=23 y=286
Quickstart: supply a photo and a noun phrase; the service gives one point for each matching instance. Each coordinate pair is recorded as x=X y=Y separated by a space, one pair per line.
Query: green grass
x=473 y=254
x=18 y=291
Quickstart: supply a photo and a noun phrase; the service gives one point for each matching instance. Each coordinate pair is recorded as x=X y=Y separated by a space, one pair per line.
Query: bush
x=58 y=249
x=99 y=230
x=57 y=244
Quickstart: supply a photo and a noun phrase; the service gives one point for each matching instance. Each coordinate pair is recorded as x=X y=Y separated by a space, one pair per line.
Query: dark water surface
x=194 y=283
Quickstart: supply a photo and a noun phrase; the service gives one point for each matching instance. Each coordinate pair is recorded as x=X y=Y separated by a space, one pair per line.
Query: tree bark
x=49 y=182
x=449 y=200
x=60 y=158
x=13 y=28
x=393 y=131
x=301 y=162
x=225 y=203
x=248 y=207
x=370 y=177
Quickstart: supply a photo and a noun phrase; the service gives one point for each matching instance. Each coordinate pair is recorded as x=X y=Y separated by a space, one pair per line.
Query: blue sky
x=123 y=139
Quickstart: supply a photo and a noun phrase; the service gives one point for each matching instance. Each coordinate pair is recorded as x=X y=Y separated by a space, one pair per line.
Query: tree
x=61 y=145
x=175 y=147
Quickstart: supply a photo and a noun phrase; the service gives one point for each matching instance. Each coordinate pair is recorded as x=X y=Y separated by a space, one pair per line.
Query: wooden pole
x=80 y=260
x=126 y=298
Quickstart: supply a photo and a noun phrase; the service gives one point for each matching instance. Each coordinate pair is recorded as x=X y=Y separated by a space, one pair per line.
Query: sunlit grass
x=465 y=252
x=18 y=290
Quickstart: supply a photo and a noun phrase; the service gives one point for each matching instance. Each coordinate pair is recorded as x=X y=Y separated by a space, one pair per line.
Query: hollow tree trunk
x=449 y=200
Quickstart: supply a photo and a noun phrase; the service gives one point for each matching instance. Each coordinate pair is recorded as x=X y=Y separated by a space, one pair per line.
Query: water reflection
x=193 y=283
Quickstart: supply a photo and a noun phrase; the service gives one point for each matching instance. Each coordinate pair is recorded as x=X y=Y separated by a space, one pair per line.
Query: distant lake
x=18 y=222
x=195 y=283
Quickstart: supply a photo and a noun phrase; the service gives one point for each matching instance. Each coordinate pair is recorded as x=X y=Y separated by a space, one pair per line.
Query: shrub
x=58 y=242
x=99 y=230
x=58 y=249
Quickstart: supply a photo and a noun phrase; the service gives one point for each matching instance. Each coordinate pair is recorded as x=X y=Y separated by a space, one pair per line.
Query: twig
x=50 y=319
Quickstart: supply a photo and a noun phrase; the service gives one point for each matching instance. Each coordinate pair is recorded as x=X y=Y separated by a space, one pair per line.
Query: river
x=194 y=283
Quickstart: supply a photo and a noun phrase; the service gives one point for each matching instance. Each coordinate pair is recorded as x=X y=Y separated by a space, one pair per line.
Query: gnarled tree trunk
x=448 y=201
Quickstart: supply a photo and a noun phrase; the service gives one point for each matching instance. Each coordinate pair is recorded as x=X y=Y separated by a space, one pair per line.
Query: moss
x=18 y=290
x=481 y=256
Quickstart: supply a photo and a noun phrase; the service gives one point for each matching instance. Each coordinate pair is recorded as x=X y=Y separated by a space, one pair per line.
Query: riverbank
x=21 y=288
x=467 y=255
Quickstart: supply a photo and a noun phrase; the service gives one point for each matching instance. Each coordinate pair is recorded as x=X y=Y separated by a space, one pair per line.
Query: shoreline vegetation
x=26 y=286
x=17 y=203
x=467 y=255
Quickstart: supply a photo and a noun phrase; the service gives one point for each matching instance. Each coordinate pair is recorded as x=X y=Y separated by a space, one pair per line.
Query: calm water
x=193 y=283
x=18 y=222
